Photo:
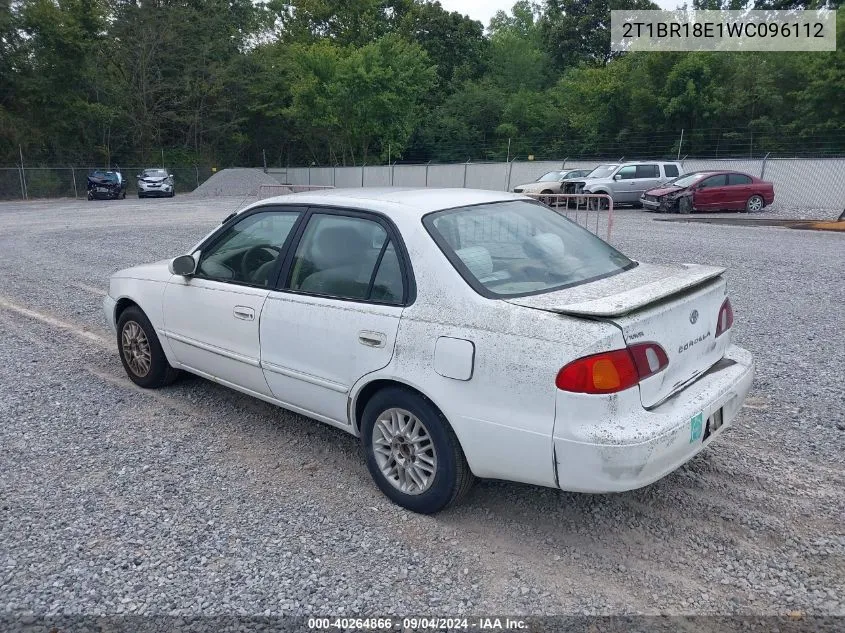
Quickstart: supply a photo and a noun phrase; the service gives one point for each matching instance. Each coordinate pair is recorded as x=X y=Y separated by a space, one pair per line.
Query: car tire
x=140 y=351
x=685 y=206
x=397 y=460
x=755 y=203
x=548 y=200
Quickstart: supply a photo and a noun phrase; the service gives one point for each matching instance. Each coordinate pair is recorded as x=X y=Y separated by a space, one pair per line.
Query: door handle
x=244 y=313
x=371 y=339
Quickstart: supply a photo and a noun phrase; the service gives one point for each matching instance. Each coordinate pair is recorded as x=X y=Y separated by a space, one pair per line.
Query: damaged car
x=106 y=185
x=710 y=191
x=457 y=333
x=551 y=182
x=155 y=183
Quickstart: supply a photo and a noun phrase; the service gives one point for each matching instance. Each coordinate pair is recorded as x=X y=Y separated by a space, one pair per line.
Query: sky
x=483 y=10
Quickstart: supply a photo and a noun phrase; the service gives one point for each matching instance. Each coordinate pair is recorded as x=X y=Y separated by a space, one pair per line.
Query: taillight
x=726 y=318
x=607 y=372
x=613 y=371
x=649 y=358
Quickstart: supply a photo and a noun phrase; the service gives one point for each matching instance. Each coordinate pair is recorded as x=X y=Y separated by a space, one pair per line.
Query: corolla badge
x=693 y=317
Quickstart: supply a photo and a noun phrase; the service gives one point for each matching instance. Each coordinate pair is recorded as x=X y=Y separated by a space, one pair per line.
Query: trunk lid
x=676 y=306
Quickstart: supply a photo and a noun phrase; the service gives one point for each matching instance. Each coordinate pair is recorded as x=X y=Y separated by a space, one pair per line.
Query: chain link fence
x=800 y=183
x=72 y=182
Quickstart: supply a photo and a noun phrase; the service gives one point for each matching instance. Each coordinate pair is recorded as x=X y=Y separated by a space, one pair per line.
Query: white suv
x=625 y=183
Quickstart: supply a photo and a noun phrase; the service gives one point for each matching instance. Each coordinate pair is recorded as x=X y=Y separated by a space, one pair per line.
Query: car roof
x=394 y=200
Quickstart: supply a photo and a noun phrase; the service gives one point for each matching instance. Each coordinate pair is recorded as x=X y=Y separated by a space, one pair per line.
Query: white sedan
x=458 y=333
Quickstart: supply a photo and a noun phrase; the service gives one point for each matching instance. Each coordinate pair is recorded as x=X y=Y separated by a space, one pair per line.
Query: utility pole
x=509 y=150
x=681 y=144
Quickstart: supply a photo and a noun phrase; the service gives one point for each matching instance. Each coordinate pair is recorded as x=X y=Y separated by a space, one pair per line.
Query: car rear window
x=520 y=247
x=670 y=170
x=739 y=179
x=648 y=171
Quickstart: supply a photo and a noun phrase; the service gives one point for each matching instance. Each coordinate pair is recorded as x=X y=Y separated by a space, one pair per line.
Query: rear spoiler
x=623 y=293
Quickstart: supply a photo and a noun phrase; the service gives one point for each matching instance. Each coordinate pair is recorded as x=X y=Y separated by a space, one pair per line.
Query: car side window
x=739 y=179
x=648 y=171
x=713 y=181
x=671 y=171
x=249 y=249
x=627 y=173
x=347 y=258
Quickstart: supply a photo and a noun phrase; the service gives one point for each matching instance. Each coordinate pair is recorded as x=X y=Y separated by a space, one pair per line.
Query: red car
x=710 y=191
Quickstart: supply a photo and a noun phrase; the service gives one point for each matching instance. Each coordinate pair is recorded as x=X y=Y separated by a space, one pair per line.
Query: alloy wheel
x=136 y=349
x=404 y=451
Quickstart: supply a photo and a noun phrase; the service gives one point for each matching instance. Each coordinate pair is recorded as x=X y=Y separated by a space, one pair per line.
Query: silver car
x=551 y=182
x=627 y=182
x=155 y=183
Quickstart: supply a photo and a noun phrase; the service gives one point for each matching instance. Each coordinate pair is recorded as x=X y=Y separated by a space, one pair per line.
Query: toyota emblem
x=693 y=316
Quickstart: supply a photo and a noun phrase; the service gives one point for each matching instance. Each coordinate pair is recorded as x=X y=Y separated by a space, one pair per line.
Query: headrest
x=338 y=246
x=546 y=246
x=477 y=259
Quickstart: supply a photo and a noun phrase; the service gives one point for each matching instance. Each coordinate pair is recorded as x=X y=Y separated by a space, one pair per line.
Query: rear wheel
x=685 y=206
x=140 y=351
x=412 y=453
x=546 y=198
x=755 y=203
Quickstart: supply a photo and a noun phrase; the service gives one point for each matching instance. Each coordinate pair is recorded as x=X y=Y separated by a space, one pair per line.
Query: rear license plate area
x=714 y=423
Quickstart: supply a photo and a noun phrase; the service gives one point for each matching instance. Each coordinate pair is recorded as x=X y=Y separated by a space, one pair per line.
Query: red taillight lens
x=649 y=358
x=613 y=371
x=726 y=318
x=607 y=372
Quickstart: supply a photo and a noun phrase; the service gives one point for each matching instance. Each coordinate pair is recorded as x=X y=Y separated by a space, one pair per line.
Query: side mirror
x=184 y=265
x=138 y=176
x=618 y=177
x=170 y=175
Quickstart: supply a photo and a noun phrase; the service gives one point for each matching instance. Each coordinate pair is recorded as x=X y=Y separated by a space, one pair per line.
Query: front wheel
x=412 y=453
x=755 y=203
x=685 y=206
x=140 y=351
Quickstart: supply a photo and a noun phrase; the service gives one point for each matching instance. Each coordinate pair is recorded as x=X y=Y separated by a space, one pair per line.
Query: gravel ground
x=198 y=500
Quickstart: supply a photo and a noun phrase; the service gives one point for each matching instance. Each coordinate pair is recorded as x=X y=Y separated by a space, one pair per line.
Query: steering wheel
x=256 y=257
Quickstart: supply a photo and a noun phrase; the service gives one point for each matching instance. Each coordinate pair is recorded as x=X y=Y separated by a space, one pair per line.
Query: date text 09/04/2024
x=432 y=623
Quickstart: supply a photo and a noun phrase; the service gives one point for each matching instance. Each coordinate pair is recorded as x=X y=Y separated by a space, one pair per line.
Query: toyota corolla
x=457 y=333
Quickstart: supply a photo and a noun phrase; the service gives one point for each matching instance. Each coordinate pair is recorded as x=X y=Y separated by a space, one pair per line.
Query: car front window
x=520 y=247
x=685 y=181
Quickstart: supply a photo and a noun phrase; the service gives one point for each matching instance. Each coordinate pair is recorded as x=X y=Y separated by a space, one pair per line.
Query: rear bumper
x=637 y=447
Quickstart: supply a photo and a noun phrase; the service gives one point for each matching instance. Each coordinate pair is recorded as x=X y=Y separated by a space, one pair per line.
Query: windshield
x=685 y=181
x=551 y=176
x=105 y=175
x=602 y=171
x=520 y=247
x=154 y=173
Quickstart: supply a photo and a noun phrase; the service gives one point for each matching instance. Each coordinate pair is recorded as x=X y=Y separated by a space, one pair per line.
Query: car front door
x=708 y=195
x=623 y=185
x=211 y=319
x=335 y=314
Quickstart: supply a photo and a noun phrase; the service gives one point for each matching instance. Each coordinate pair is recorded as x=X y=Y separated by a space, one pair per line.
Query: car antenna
x=235 y=212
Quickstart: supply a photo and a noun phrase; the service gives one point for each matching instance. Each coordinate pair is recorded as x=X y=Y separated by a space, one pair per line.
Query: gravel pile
x=234 y=182
x=198 y=500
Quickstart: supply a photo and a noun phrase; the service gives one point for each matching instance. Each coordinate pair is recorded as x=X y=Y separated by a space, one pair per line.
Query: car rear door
x=334 y=314
x=737 y=191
